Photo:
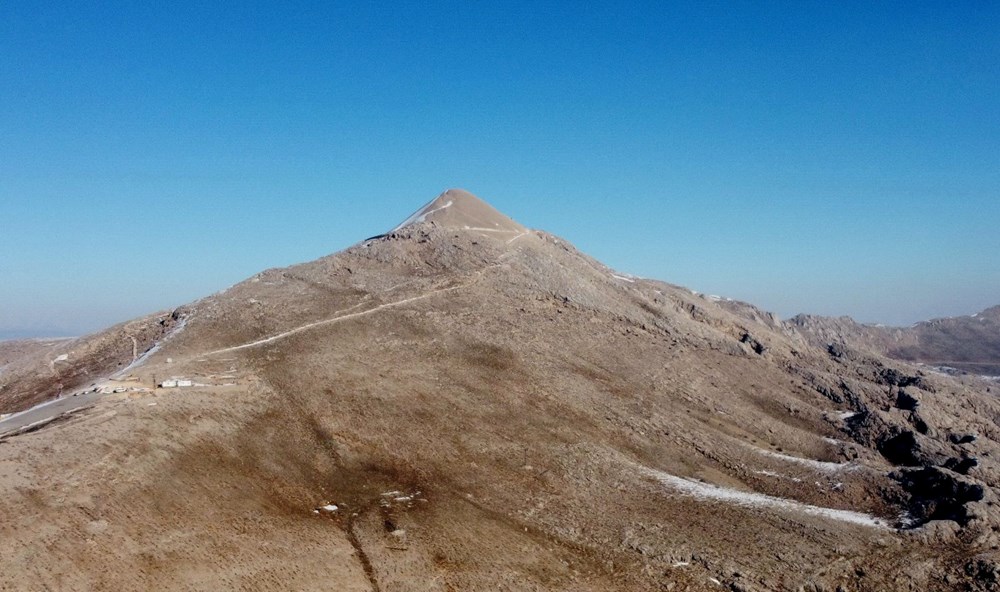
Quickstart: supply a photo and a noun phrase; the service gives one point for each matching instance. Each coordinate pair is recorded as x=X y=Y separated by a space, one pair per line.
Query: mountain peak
x=459 y=209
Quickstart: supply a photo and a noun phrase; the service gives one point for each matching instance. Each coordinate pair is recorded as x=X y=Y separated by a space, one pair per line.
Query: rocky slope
x=466 y=404
x=968 y=344
x=33 y=371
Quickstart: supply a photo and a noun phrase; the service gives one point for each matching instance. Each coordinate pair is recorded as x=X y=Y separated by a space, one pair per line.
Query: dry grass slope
x=495 y=410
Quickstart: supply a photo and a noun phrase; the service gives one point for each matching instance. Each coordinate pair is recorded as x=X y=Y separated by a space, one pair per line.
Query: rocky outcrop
x=966 y=343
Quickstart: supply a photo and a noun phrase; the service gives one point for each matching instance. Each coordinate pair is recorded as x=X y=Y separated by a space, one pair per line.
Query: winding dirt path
x=330 y=321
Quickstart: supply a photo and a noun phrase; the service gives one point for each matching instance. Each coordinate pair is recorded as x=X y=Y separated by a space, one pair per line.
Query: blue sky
x=825 y=157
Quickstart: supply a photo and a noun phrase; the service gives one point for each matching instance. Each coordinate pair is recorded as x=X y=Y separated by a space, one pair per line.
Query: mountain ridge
x=969 y=343
x=483 y=412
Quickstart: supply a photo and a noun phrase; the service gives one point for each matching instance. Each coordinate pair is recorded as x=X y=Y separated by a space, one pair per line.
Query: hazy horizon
x=825 y=159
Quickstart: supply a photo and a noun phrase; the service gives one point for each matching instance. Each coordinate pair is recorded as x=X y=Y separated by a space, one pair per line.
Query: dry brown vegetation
x=494 y=410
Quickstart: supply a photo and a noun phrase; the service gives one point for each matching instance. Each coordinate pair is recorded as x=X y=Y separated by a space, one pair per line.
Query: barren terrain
x=967 y=344
x=467 y=404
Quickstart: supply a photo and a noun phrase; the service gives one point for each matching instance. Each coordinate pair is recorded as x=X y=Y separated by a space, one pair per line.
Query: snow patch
x=818 y=465
x=62 y=358
x=421 y=214
x=142 y=359
x=749 y=499
x=480 y=229
x=778 y=476
x=623 y=278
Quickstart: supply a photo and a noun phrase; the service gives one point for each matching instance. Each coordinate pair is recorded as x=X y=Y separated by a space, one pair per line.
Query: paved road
x=47 y=411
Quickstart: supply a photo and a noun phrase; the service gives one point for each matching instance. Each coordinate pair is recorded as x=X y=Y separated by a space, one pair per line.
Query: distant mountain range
x=966 y=343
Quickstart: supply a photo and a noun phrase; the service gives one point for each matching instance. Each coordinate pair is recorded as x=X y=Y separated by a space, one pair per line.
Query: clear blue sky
x=825 y=157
